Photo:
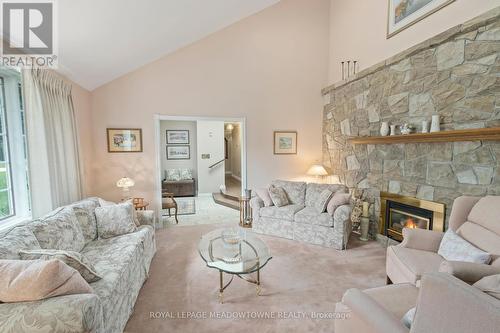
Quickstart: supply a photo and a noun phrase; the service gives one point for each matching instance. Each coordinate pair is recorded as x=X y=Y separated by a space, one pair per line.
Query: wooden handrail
x=213 y=165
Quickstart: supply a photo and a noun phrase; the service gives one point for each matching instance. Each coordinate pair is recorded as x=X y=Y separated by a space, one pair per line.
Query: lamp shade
x=125 y=182
x=317 y=170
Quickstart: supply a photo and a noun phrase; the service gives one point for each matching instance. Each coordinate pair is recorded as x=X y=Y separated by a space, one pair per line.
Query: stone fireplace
x=456 y=75
x=398 y=212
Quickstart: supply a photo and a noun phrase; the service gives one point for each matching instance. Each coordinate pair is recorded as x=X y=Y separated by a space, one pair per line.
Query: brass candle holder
x=246 y=210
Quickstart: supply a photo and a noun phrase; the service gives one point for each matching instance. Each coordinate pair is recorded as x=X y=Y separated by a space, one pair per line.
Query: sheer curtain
x=54 y=166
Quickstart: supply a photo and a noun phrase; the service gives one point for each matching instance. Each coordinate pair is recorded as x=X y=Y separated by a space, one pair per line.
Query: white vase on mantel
x=384 y=128
x=435 y=124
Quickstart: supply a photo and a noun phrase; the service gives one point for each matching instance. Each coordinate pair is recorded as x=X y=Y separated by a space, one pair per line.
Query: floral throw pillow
x=186 y=174
x=278 y=196
x=322 y=201
x=115 y=220
x=172 y=175
x=71 y=258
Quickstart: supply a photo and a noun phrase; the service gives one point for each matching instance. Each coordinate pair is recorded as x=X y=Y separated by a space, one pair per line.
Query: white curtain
x=54 y=165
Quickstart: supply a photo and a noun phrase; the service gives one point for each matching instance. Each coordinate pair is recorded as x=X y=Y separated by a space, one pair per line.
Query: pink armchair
x=475 y=219
x=443 y=304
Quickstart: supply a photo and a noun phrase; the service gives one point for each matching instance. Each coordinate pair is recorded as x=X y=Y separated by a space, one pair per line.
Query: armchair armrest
x=421 y=239
x=372 y=313
x=146 y=217
x=467 y=271
x=447 y=304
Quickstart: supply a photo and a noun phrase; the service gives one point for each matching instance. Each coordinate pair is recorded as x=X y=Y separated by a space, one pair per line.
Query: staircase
x=225 y=199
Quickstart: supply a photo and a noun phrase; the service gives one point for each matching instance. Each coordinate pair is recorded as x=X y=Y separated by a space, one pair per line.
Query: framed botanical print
x=404 y=13
x=178 y=153
x=285 y=142
x=177 y=137
x=124 y=140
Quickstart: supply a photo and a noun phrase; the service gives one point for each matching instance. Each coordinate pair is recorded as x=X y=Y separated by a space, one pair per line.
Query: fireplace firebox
x=398 y=212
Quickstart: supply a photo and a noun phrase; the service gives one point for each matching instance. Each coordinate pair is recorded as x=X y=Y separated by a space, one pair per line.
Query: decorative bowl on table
x=231 y=236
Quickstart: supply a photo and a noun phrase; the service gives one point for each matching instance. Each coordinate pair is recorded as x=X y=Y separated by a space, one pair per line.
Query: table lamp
x=125 y=183
x=317 y=170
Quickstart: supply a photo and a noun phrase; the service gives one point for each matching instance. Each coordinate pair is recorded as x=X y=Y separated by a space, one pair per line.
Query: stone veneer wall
x=456 y=75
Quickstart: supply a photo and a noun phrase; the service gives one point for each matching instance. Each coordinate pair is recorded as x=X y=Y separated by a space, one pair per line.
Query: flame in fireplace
x=410 y=223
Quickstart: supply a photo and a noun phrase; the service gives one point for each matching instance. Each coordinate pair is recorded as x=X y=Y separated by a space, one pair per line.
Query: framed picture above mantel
x=124 y=140
x=404 y=13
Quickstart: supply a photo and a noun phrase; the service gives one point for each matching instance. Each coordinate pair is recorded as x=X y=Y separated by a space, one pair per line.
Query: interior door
x=210 y=148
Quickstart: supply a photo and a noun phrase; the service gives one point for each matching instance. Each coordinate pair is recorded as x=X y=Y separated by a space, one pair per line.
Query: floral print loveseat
x=123 y=263
x=299 y=220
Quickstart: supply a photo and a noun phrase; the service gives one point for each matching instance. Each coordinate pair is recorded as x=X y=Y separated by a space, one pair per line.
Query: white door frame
x=159 y=117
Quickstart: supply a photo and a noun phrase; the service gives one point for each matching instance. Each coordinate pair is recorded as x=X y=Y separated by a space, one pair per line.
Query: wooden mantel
x=480 y=134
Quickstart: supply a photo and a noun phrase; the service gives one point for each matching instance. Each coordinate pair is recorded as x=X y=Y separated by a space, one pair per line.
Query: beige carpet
x=300 y=281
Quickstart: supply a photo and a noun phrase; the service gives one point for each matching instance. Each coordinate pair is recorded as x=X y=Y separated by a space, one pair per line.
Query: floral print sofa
x=299 y=220
x=123 y=263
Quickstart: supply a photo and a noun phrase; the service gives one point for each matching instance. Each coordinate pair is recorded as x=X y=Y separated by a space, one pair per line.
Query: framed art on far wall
x=124 y=140
x=177 y=137
x=178 y=153
x=404 y=13
x=285 y=142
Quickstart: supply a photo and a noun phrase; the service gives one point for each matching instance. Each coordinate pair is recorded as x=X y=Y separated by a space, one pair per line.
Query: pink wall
x=269 y=68
x=358 y=30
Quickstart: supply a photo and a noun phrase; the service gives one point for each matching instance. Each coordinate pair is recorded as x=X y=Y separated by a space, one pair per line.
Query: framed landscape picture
x=177 y=137
x=124 y=140
x=285 y=142
x=178 y=153
x=404 y=13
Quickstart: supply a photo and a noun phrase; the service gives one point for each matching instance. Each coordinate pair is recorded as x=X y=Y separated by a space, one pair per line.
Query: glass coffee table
x=234 y=251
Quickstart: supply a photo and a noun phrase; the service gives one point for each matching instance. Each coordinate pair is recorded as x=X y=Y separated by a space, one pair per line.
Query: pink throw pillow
x=33 y=280
x=263 y=193
x=337 y=200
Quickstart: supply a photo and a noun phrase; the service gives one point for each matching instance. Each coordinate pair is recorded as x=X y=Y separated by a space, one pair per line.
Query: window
x=14 y=191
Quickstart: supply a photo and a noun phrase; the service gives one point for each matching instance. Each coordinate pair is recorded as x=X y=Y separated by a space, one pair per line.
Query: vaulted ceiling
x=100 y=40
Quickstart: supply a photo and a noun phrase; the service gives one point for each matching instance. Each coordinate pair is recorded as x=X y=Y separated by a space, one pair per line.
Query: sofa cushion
x=485 y=213
x=278 y=196
x=73 y=259
x=15 y=239
x=295 y=191
x=115 y=220
x=59 y=230
x=282 y=213
x=310 y=215
x=408 y=265
x=313 y=191
x=263 y=194
x=483 y=239
x=84 y=211
x=490 y=285
x=455 y=248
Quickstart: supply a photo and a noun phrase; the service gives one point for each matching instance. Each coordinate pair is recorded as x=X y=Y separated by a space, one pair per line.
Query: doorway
x=201 y=162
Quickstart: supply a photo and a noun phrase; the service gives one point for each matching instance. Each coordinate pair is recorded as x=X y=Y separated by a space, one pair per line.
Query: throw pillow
x=73 y=259
x=33 y=280
x=115 y=220
x=172 y=175
x=15 y=239
x=59 y=230
x=407 y=319
x=263 y=193
x=186 y=174
x=490 y=285
x=278 y=196
x=104 y=203
x=87 y=223
x=455 y=248
x=337 y=200
x=322 y=201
